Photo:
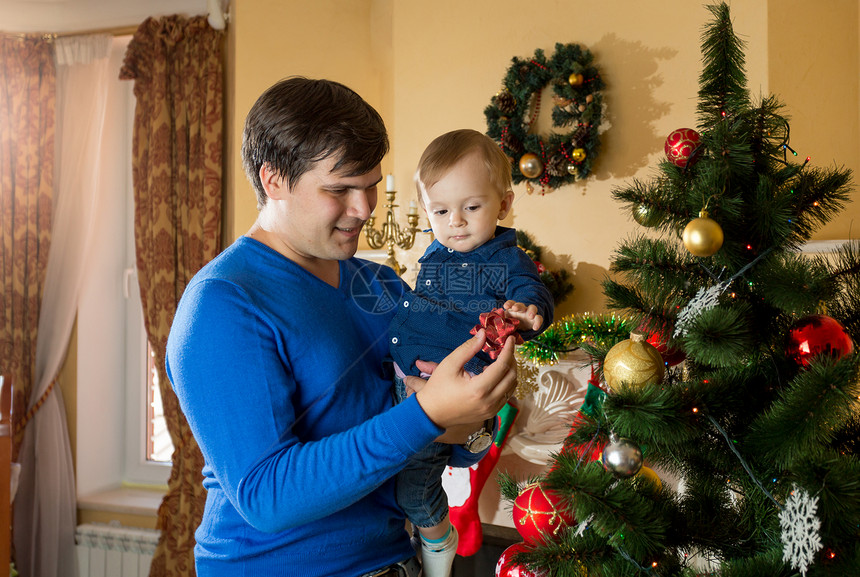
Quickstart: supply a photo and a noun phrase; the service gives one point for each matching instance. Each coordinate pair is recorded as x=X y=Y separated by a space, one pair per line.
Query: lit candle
x=413 y=208
x=389 y=183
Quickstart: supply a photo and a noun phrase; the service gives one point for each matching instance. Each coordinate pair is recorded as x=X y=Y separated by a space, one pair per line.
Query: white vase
x=546 y=414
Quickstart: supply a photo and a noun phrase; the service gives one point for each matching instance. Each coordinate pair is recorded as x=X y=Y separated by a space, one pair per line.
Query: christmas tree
x=722 y=436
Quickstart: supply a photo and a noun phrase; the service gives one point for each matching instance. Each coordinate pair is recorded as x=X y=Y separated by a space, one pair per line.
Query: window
x=119 y=429
x=159 y=446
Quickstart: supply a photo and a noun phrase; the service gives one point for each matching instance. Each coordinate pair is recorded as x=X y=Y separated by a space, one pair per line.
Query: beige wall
x=433 y=66
x=343 y=40
x=813 y=68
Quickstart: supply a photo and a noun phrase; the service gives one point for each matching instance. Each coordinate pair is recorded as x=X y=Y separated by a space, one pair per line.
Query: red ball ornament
x=671 y=356
x=505 y=567
x=817 y=335
x=538 y=513
x=586 y=452
x=681 y=145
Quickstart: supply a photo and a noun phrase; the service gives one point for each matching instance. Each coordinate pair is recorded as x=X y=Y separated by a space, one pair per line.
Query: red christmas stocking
x=463 y=487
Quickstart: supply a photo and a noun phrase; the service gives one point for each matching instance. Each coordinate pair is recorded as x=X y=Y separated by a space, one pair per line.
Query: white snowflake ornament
x=799 y=525
x=706 y=298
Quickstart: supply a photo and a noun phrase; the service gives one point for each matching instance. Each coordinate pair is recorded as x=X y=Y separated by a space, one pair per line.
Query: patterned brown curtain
x=27 y=107
x=176 y=66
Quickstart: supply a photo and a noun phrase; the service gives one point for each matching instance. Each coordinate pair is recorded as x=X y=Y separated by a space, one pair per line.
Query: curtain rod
x=115 y=31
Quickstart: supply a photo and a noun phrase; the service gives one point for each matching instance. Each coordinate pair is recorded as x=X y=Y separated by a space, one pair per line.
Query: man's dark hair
x=300 y=121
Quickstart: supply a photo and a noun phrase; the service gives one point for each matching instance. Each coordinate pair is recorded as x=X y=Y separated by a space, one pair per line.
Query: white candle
x=389 y=183
x=413 y=208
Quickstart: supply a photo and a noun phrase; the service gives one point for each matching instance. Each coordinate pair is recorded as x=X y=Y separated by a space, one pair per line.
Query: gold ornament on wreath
x=559 y=158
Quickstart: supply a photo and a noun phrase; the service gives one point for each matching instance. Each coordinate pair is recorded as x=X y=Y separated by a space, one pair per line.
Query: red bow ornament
x=498 y=328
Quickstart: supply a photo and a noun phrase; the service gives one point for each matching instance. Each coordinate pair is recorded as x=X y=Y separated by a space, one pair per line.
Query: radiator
x=108 y=550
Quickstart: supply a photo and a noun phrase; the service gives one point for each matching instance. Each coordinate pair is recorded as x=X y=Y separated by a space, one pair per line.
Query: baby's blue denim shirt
x=453 y=289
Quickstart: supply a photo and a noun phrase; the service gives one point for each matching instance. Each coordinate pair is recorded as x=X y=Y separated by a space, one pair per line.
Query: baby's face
x=463 y=207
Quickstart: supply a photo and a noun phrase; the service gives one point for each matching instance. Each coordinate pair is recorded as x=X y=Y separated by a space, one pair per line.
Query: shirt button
x=406 y=304
x=394 y=340
x=465 y=264
x=450 y=250
x=428 y=282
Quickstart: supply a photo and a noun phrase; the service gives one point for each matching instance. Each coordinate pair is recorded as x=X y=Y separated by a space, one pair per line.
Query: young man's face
x=463 y=206
x=321 y=217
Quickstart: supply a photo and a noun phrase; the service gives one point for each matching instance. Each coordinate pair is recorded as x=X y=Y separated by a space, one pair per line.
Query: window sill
x=124 y=501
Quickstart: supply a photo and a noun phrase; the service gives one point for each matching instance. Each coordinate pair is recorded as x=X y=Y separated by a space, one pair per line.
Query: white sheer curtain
x=45 y=506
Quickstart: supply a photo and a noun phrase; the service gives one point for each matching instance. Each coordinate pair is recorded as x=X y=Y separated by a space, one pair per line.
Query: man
x=278 y=355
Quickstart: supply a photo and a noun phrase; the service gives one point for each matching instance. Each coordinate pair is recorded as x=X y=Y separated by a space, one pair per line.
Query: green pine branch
x=723 y=78
x=808 y=412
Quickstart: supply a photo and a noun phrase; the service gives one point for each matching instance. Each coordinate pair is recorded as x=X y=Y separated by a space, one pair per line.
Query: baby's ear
x=507 y=203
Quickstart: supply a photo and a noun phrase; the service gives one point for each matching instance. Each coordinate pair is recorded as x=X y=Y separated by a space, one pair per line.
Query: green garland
x=586 y=331
x=578 y=106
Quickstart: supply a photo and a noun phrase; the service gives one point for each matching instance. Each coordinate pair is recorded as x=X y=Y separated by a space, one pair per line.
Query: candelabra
x=391 y=234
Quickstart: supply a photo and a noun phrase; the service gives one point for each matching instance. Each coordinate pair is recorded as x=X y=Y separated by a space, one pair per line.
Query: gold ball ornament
x=703 y=236
x=633 y=361
x=531 y=165
x=578 y=154
x=575 y=79
x=645 y=215
x=650 y=479
x=571 y=168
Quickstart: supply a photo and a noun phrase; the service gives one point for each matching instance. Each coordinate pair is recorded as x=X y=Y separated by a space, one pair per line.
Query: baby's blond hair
x=446 y=150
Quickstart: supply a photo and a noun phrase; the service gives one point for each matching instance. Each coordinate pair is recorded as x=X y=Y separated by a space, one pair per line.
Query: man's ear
x=273 y=183
x=507 y=203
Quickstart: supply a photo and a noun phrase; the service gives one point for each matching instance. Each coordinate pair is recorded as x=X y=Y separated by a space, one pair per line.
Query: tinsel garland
x=576 y=84
x=572 y=332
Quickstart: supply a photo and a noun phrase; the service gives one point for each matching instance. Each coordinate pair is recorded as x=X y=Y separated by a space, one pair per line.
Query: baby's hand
x=526 y=315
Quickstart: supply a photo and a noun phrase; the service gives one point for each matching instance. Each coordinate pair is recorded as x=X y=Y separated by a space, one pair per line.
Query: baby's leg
x=438 y=548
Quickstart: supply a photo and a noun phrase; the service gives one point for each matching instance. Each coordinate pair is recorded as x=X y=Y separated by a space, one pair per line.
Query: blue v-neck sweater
x=281 y=378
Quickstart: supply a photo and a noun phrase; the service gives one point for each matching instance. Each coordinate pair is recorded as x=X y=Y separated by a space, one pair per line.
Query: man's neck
x=327 y=271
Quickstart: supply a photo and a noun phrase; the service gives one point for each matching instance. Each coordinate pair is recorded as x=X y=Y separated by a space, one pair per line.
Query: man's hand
x=453 y=397
x=526 y=315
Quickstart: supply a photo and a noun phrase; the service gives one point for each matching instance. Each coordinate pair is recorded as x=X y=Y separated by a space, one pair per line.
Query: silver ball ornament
x=622 y=457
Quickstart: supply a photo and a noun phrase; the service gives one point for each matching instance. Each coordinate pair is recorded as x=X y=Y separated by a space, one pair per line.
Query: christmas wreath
x=561 y=158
